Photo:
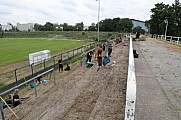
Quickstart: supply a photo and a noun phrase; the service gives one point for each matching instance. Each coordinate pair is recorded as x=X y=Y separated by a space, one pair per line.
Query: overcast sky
x=74 y=11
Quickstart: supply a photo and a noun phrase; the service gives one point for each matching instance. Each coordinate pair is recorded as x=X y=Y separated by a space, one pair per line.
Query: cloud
x=68 y=5
x=73 y=11
x=90 y=5
x=4 y=12
x=10 y=3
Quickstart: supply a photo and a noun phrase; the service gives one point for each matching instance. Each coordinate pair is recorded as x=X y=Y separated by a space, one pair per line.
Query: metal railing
x=23 y=74
x=35 y=73
x=172 y=39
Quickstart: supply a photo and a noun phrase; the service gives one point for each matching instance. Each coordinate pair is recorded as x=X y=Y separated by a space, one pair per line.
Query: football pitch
x=18 y=49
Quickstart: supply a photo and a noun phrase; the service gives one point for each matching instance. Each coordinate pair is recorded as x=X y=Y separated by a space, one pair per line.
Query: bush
x=83 y=33
x=1 y=84
x=142 y=38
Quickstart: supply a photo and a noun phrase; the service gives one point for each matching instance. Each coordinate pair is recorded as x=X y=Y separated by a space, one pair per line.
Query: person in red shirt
x=117 y=40
x=99 y=56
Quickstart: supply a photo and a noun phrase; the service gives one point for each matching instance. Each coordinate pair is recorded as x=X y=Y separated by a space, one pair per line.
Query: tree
x=49 y=26
x=79 y=26
x=157 y=18
x=138 y=29
x=106 y=25
x=177 y=18
x=160 y=13
x=38 y=27
x=92 y=27
x=126 y=25
x=116 y=25
x=65 y=26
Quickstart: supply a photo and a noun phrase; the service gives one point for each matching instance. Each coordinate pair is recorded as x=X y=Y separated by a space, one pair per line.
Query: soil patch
x=81 y=93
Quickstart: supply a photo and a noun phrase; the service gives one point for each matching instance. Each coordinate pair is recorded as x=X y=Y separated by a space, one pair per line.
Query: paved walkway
x=151 y=102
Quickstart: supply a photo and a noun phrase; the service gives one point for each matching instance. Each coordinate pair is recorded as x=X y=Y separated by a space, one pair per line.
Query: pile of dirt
x=81 y=93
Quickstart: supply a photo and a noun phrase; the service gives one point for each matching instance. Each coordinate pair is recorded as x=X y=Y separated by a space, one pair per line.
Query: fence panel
x=173 y=39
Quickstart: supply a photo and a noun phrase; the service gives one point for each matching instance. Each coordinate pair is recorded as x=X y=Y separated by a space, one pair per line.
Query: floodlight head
x=166 y=21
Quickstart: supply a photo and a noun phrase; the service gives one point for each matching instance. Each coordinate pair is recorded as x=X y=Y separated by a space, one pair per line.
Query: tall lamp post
x=166 y=21
x=98 y=20
x=0 y=30
x=149 y=29
x=0 y=27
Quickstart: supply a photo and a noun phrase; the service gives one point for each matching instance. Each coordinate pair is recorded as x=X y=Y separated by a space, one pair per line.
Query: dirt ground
x=81 y=93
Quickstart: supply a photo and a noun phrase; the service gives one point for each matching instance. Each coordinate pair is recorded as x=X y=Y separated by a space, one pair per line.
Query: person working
x=109 y=43
x=137 y=35
x=67 y=68
x=89 y=55
x=60 y=65
x=39 y=80
x=99 y=56
x=16 y=99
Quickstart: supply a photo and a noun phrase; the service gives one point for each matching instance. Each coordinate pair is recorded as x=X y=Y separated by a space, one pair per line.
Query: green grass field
x=18 y=49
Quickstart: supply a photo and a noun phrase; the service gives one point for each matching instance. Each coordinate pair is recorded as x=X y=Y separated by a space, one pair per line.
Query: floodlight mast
x=166 y=21
x=98 y=21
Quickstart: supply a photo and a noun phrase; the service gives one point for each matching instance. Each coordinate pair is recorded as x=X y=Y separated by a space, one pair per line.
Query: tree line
x=163 y=13
x=107 y=25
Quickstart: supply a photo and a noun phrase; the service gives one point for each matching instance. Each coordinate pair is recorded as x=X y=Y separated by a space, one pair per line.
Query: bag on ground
x=106 y=60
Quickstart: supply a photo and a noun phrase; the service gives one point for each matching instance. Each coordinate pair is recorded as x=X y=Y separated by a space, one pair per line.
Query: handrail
x=19 y=81
x=131 y=86
x=168 y=38
x=9 y=90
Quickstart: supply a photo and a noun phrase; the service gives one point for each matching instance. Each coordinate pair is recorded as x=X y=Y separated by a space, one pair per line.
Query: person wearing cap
x=16 y=99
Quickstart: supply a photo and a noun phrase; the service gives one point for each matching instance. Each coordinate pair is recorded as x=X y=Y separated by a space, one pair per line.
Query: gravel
x=165 y=61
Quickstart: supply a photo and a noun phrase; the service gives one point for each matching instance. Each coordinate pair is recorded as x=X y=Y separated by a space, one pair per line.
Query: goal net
x=53 y=36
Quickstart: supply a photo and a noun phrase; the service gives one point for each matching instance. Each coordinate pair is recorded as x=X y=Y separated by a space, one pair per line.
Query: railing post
x=31 y=69
x=61 y=57
x=2 y=111
x=35 y=88
x=34 y=81
x=178 y=40
x=54 y=64
x=44 y=64
x=81 y=59
x=54 y=76
x=171 y=39
x=68 y=55
x=15 y=75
